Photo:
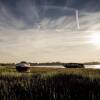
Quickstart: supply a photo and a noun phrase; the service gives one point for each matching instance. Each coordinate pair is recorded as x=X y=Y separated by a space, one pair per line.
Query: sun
x=95 y=39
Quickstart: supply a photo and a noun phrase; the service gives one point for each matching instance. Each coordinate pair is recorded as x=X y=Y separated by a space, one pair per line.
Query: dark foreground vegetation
x=50 y=84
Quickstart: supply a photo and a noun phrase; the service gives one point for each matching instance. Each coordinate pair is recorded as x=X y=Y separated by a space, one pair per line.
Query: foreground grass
x=50 y=84
x=91 y=73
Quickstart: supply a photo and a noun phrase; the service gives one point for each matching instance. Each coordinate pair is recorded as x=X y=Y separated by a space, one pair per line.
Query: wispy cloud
x=36 y=30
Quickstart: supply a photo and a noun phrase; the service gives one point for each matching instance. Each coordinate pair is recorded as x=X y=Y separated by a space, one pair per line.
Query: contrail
x=67 y=8
x=77 y=20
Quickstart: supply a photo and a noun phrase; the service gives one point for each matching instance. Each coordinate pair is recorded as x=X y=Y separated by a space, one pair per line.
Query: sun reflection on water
x=93 y=66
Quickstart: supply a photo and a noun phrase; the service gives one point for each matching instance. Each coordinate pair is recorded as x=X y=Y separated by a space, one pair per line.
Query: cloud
x=35 y=29
x=35 y=14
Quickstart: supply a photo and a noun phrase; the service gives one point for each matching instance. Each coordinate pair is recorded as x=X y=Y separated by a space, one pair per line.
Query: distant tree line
x=51 y=63
x=47 y=63
x=92 y=63
x=7 y=64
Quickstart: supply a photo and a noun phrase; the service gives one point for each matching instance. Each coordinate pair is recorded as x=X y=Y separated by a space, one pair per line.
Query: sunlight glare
x=95 y=39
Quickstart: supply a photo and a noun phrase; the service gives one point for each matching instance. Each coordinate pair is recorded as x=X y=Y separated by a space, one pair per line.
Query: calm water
x=86 y=66
x=93 y=66
x=55 y=66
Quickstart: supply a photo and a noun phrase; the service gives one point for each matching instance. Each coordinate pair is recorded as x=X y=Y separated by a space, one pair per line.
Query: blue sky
x=46 y=30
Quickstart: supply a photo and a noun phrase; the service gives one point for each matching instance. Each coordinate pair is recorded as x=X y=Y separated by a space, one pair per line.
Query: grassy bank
x=50 y=84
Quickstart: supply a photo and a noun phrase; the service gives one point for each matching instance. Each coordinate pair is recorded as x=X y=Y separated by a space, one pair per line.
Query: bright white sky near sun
x=61 y=46
x=48 y=36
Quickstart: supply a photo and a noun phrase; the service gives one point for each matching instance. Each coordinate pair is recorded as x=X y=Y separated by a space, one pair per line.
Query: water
x=93 y=66
x=60 y=66
x=55 y=66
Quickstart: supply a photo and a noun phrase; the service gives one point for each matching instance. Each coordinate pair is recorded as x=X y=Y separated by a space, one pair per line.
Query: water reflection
x=86 y=66
x=55 y=66
x=93 y=66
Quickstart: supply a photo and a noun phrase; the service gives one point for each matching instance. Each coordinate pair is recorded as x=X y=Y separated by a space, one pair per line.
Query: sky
x=46 y=30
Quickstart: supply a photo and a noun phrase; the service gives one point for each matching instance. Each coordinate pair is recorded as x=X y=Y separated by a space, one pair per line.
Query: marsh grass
x=50 y=84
